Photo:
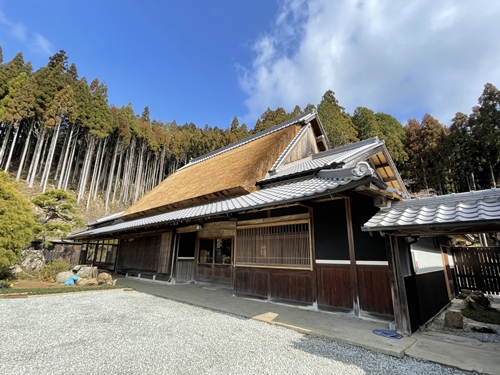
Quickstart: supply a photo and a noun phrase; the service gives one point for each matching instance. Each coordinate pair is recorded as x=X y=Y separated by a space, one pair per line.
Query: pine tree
x=58 y=215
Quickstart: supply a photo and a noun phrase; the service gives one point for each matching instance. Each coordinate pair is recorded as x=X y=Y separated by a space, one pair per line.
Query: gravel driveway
x=118 y=332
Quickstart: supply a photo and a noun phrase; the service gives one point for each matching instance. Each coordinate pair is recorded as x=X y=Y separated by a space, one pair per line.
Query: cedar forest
x=58 y=130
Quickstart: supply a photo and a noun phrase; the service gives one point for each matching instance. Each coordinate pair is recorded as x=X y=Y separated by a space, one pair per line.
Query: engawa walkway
x=459 y=352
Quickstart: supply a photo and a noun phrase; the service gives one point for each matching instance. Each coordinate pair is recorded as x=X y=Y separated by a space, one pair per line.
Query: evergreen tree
x=270 y=118
x=391 y=131
x=337 y=123
x=365 y=122
x=16 y=222
x=57 y=215
x=485 y=126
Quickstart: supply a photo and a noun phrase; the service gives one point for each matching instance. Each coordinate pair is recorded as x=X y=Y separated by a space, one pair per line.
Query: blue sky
x=207 y=61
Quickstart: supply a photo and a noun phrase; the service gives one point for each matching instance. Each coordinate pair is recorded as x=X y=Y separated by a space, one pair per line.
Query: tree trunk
x=35 y=161
x=5 y=141
x=50 y=157
x=111 y=172
x=493 y=182
x=86 y=167
x=93 y=181
x=25 y=151
x=117 y=179
x=12 y=145
x=65 y=146
x=139 y=173
x=64 y=159
x=71 y=159
x=99 y=169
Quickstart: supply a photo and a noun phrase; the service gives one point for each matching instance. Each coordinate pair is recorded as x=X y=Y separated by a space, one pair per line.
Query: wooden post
x=398 y=291
x=447 y=273
x=352 y=257
x=313 y=258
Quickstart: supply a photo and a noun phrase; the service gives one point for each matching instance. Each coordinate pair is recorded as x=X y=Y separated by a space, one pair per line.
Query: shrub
x=49 y=272
x=16 y=222
x=52 y=268
x=484 y=316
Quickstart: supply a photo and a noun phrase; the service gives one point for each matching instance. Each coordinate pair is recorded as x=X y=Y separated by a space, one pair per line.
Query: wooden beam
x=190 y=228
x=271 y=220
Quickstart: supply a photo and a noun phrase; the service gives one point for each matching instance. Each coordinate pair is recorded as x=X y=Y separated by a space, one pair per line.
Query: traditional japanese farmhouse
x=276 y=215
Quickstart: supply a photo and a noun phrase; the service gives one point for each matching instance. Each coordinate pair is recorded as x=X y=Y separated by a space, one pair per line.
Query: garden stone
x=453 y=319
x=88 y=272
x=86 y=282
x=63 y=276
x=13 y=271
x=104 y=279
x=32 y=260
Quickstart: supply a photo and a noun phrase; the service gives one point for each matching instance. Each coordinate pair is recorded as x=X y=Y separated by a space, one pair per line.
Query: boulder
x=454 y=319
x=479 y=327
x=13 y=271
x=86 y=282
x=77 y=268
x=104 y=278
x=82 y=282
x=477 y=300
x=88 y=272
x=32 y=260
x=63 y=276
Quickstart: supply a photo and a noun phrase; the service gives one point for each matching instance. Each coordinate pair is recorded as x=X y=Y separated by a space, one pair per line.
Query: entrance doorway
x=215 y=260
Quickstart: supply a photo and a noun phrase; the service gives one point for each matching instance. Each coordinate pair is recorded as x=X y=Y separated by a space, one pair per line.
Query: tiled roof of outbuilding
x=457 y=210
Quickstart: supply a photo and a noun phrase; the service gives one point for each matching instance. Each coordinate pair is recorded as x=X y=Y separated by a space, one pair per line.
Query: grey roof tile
x=290 y=191
x=339 y=155
x=475 y=206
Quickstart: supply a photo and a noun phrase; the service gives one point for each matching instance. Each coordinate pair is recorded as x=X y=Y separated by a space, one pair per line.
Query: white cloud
x=18 y=30
x=403 y=58
x=34 y=41
x=41 y=44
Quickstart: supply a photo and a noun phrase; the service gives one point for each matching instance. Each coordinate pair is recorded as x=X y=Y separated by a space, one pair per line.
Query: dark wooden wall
x=375 y=290
x=141 y=254
x=275 y=284
x=368 y=246
x=427 y=295
x=330 y=230
x=334 y=287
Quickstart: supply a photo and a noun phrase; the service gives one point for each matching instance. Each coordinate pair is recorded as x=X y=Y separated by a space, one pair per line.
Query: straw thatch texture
x=229 y=174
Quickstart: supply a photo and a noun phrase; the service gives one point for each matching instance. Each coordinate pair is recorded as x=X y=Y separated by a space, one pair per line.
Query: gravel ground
x=118 y=332
x=437 y=324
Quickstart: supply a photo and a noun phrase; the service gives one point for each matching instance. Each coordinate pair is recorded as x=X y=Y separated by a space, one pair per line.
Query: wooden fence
x=477 y=268
x=69 y=252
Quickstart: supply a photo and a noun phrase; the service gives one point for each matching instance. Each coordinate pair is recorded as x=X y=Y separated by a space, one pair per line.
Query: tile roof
x=454 y=209
x=337 y=156
x=323 y=183
x=106 y=218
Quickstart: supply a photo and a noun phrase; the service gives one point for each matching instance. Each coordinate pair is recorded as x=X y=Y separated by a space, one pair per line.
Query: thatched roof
x=228 y=174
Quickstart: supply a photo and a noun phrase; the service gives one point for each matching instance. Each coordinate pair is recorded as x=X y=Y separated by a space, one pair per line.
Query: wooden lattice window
x=274 y=246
